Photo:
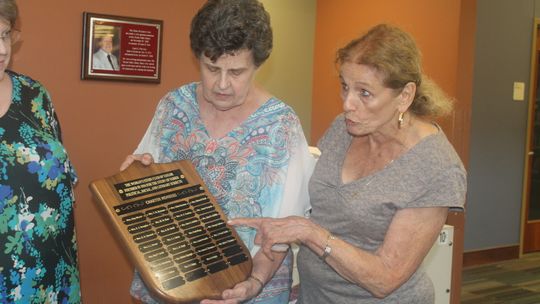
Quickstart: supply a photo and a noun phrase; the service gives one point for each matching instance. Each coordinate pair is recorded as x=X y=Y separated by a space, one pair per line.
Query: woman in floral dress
x=38 y=248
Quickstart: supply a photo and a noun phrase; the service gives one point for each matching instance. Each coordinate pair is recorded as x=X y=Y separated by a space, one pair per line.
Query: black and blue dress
x=38 y=247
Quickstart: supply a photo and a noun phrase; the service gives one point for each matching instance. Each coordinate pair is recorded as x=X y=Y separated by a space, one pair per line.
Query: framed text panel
x=121 y=48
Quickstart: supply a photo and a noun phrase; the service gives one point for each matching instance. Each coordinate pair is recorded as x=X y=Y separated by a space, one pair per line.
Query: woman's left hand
x=242 y=291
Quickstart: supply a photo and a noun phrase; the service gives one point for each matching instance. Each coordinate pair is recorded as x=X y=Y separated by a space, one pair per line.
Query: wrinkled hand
x=146 y=159
x=242 y=291
x=272 y=232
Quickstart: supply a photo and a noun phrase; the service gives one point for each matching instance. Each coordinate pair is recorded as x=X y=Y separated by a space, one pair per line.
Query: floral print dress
x=38 y=248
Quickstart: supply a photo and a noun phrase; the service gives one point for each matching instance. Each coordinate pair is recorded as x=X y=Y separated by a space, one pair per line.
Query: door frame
x=530 y=132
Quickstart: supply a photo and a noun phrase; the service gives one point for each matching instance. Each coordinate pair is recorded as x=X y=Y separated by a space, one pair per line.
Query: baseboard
x=492 y=255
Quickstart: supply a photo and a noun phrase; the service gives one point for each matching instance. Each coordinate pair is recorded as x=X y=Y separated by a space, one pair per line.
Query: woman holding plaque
x=382 y=186
x=38 y=248
x=247 y=145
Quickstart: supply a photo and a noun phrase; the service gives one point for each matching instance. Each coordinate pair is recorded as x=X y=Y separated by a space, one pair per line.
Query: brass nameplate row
x=173 y=230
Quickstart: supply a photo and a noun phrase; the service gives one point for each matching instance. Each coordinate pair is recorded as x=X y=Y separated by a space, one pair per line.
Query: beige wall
x=288 y=73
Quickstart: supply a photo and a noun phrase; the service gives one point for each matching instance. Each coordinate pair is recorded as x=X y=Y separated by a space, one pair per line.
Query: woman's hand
x=270 y=232
x=146 y=159
x=264 y=266
x=242 y=291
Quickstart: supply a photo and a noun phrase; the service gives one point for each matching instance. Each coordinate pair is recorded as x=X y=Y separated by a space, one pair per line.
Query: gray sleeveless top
x=430 y=174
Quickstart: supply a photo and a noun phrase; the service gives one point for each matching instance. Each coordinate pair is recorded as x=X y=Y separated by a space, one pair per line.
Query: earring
x=400 y=120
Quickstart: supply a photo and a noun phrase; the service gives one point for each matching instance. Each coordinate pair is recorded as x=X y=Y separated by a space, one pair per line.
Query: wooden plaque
x=173 y=230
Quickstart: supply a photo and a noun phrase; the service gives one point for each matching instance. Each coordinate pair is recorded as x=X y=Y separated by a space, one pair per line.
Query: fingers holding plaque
x=173 y=230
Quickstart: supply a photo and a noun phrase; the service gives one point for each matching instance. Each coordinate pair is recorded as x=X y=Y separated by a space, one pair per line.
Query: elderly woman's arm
x=409 y=238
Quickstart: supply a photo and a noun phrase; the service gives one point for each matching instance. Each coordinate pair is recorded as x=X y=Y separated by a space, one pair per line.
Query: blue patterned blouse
x=38 y=248
x=259 y=169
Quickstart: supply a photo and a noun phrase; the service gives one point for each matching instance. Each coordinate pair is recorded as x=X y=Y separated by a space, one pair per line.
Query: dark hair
x=9 y=11
x=394 y=53
x=226 y=26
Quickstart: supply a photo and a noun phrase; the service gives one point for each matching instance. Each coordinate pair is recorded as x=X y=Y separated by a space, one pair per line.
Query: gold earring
x=400 y=120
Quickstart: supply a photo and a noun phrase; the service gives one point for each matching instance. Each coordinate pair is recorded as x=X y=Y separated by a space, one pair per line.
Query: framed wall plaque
x=121 y=48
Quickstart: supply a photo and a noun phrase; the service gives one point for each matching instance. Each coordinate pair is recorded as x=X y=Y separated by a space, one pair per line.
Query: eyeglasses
x=10 y=36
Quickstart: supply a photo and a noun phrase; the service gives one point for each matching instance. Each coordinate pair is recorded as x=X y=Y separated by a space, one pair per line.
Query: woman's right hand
x=146 y=159
x=274 y=233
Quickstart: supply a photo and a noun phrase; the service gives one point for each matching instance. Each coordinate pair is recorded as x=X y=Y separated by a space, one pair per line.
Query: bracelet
x=257 y=280
x=327 y=248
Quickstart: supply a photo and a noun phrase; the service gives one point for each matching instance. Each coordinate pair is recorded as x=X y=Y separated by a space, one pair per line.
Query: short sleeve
x=52 y=123
x=150 y=143
x=48 y=117
x=446 y=188
x=295 y=199
x=429 y=174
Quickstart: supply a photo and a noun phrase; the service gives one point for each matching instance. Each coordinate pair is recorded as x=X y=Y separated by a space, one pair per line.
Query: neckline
x=234 y=130
x=366 y=180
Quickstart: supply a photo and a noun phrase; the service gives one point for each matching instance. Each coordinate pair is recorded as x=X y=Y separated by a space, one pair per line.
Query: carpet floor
x=509 y=282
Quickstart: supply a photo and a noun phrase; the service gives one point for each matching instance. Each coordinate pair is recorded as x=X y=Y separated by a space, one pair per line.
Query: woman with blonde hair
x=382 y=187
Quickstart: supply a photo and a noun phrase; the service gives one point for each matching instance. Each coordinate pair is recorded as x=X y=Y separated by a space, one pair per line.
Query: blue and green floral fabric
x=38 y=247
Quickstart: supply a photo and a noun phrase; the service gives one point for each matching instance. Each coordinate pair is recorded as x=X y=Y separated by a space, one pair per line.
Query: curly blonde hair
x=394 y=53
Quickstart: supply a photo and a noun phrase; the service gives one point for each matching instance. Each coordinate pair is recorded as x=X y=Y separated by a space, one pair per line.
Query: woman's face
x=226 y=83
x=5 y=46
x=369 y=106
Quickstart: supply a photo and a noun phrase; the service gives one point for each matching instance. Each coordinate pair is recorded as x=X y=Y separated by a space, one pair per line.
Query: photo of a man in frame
x=106 y=48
